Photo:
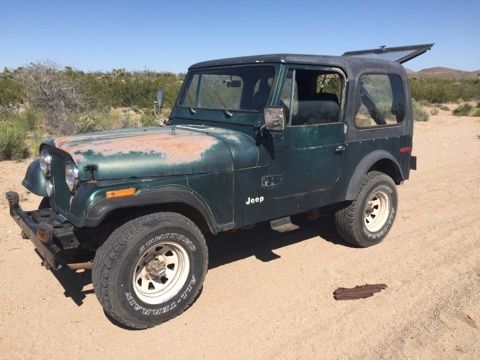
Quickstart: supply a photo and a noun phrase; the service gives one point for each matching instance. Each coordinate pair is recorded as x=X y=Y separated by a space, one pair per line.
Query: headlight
x=71 y=175
x=46 y=162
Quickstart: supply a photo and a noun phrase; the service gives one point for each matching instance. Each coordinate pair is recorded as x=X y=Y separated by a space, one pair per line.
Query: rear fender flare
x=363 y=167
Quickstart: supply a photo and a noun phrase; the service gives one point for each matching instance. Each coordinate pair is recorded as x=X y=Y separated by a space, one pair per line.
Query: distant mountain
x=440 y=71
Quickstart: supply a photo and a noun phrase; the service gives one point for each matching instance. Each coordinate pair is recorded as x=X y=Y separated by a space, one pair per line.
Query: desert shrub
x=13 y=145
x=442 y=90
x=20 y=133
x=29 y=119
x=124 y=122
x=149 y=120
x=136 y=109
x=444 y=108
x=463 y=110
x=76 y=89
x=419 y=113
x=51 y=90
x=476 y=112
x=121 y=88
x=101 y=120
x=11 y=90
x=37 y=136
x=87 y=123
x=434 y=111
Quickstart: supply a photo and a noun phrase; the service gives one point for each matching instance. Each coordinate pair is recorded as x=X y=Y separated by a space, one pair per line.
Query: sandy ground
x=269 y=295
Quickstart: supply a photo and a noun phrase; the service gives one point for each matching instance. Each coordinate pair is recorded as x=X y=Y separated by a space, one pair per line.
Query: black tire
x=44 y=203
x=351 y=221
x=119 y=259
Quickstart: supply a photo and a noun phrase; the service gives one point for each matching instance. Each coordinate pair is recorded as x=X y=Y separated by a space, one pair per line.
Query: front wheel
x=367 y=220
x=44 y=203
x=150 y=269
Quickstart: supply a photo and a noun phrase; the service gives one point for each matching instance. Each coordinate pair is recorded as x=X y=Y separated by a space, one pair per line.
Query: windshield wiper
x=225 y=108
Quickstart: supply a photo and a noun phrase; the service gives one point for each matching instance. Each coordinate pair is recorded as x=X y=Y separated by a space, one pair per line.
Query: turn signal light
x=121 y=192
x=42 y=235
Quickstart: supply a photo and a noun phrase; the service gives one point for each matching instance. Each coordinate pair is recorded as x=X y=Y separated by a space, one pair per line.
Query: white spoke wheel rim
x=377 y=210
x=161 y=272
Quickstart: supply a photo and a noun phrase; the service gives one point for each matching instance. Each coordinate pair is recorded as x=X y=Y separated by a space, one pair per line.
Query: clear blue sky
x=171 y=35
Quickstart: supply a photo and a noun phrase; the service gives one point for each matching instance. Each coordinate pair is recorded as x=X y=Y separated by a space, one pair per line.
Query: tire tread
x=107 y=254
x=345 y=218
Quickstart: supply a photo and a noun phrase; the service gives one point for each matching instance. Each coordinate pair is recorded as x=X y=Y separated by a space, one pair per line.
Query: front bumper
x=50 y=232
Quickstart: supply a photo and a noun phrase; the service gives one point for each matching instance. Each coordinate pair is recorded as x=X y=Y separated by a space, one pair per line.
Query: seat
x=321 y=108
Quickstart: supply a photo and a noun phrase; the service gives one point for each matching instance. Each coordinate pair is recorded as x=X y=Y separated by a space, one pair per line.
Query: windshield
x=242 y=88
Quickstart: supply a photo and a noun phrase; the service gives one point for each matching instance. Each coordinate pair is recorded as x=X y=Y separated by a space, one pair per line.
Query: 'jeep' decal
x=251 y=201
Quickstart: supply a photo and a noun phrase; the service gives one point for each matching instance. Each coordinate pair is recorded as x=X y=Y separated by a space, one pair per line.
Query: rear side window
x=382 y=100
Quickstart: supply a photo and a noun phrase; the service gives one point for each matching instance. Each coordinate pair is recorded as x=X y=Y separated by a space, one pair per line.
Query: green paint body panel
x=34 y=179
x=146 y=152
x=238 y=177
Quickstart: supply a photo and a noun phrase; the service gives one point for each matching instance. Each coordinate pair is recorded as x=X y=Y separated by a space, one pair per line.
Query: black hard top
x=345 y=62
x=381 y=58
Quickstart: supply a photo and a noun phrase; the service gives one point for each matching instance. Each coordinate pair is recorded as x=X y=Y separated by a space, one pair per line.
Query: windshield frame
x=193 y=72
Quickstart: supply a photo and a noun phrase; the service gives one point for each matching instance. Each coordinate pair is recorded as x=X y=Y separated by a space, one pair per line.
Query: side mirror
x=158 y=103
x=274 y=118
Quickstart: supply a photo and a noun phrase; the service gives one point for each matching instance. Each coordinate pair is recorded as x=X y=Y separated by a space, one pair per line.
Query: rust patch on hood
x=173 y=149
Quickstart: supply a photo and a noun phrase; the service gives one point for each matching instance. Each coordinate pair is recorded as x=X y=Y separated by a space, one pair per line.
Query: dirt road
x=269 y=295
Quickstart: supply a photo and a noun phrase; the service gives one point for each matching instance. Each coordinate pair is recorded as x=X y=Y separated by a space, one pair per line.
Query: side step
x=283 y=225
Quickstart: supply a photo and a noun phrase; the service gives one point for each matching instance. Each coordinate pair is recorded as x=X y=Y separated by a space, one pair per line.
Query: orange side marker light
x=42 y=235
x=121 y=192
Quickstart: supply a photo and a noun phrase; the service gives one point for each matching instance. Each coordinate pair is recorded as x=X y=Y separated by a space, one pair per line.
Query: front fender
x=362 y=168
x=34 y=180
x=98 y=211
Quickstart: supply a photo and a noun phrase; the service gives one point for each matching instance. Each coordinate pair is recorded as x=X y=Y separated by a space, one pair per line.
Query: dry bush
x=419 y=113
x=50 y=90
x=463 y=110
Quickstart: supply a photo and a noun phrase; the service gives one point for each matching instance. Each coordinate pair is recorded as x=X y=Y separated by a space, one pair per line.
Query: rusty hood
x=146 y=152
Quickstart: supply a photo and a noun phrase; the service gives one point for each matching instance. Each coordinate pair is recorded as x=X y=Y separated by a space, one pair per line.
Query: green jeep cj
x=250 y=139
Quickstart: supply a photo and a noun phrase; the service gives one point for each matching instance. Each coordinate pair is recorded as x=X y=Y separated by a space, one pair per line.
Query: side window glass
x=289 y=104
x=382 y=100
x=316 y=96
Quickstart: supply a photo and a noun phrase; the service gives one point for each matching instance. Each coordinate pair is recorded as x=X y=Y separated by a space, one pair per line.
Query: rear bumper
x=48 y=231
x=413 y=163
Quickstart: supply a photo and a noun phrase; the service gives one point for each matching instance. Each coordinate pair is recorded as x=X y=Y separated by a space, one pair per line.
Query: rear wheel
x=150 y=269
x=368 y=219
